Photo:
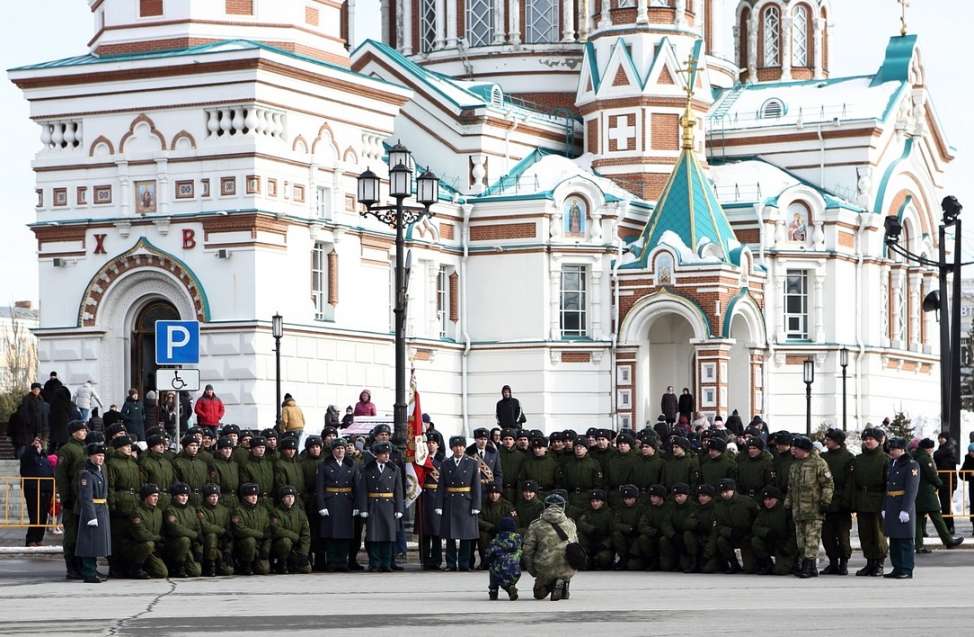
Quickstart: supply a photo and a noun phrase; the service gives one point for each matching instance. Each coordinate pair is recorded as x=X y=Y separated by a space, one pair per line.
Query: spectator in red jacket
x=364 y=406
x=209 y=410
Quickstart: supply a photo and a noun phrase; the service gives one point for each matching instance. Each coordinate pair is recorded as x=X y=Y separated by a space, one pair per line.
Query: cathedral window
x=428 y=25
x=772 y=20
x=660 y=3
x=625 y=4
x=542 y=21
x=772 y=109
x=573 y=301
x=324 y=288
x=480 y=27
x=799 y=37
x=796 y=305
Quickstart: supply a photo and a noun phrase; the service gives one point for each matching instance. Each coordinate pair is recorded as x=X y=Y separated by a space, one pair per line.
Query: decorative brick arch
x=183 y=134
x=299 y=141
x=142 y=119
x=325 y=128
x=101 y=140
x=145 y=258
x=350 y=156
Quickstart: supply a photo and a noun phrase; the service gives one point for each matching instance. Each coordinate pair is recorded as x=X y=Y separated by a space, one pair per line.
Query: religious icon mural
x=664 y=270
x=576 y=211
x=145 y=197
x=797 y=223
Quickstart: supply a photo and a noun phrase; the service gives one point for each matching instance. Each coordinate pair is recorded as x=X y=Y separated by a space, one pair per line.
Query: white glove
x=474 y=511
x=904 y=516
x=397 y=515
x=93 y=522
x=354 y=512
x=364 y=514
x=883 y=514
x=438 y=511
x=323 y=513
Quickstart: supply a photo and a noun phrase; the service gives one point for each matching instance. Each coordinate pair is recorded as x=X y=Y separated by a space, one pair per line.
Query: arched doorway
x=739 y=381
x=143 y=343
x=671 y=360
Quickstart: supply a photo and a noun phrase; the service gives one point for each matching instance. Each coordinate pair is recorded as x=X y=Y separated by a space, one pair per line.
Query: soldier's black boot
x=867 y=569
x=767 y=567
x=799 y=567
x=843 y=567
x=733 y=566
x=806 y=571
x=878 y=568
x=281 y=567
x=567 y=593
x=492 y=594
x=832 y=568
x=209 y=568
x=558 y=590
x=73 y=572
x=180 y=571
x=813 y=569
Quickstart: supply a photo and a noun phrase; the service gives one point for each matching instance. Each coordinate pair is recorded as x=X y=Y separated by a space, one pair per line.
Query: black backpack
x=574 y=553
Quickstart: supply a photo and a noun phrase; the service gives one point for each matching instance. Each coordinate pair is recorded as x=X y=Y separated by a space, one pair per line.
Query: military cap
x=121 y=441
x=770 y=492
x=555 y=500
x=658 y=490
x=113 y=430
x=95 y=447
x=926 y=443
x=329 y=431
x=726 y=484
x=457 y=441
x=250 y=488
x=835 y=435
x=224 y=442
x=481 y=432
x=230 y=429
x=875 y=433
x=289 y=442
x=537 y=433
x=592 y=432
x=338 y=442
x=508 y=432
x=148 y=489
x=312 y=441
x=94 y=436
x=803 y=442
x=629 y=491
x=896 y=442
x=580 y=441
x=156 y=430
x=752 y=431
x=570 y=434
x=207 y=433
x=718 y=433
x=76 y=425
x=36 y=386
x=434 y=436
x=556 y=435
x=195 y=430
x=270 y=433
x=492 y=487
x=287 y=490
x=245 y=433
x=717 y=444
x=539 y=441
x=705 y=489
x=682 y=441
x=650 y=441
x=381 y=447
x=783 y=438
x=152 y=441
x=179 y=488
x=681 y=488
x=596 y=494
x=522 y=433
x=381 y=429
x=210 y=489
x=258 y=441
x=755 y=442
x=625 y=438
x=529 y=485
x=188 y=439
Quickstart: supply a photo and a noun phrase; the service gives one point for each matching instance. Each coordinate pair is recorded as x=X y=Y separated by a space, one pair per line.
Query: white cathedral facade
x=634 y=195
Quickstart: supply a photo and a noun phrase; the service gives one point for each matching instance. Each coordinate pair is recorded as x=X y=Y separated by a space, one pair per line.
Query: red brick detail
x=446 y=231
x=240 y=7
x=795 y=360
x=454 y=279
x=550 y=101
x=422 y=355
x=665 y=77
x=333 y=278
x=847 y=239
x=503 y=231
x=576 y=357
x=621 y=79
x=311 y=16
x=661 y=15
x=748 y=235
x=150 y=8
x=592 y=136
x=666 y=131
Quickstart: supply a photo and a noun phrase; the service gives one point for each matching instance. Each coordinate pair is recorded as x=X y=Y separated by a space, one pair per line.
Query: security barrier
x=18 y=496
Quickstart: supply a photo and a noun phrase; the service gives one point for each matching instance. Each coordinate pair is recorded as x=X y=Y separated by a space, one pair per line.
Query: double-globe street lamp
x=949 y=324
x=399 y=216
x=843 y=363
x=808 y=370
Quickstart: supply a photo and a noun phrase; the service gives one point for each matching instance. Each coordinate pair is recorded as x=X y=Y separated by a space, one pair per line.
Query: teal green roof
x=896 y=64
x=689 y=208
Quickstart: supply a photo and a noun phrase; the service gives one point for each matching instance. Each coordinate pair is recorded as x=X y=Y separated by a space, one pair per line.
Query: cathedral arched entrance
x=142 y=343
x=671 y=359
x=739 y=381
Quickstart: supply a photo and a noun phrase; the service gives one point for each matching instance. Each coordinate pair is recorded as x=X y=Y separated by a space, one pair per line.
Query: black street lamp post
x=843 y=362
x=809 y=377
x=277 y=329
x=950 y=401
x=399 y=216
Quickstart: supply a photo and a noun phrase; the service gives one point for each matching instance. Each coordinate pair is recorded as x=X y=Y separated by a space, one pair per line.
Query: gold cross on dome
x=688 y=121
x=904 y=5
x=689 y=69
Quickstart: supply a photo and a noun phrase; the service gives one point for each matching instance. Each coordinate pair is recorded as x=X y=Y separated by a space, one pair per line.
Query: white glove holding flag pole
x=354 y=512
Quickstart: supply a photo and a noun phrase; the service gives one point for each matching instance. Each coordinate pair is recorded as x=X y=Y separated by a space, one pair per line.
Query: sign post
x=178 y=343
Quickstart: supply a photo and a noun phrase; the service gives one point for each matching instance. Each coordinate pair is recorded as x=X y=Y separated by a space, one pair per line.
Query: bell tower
x=782 y=40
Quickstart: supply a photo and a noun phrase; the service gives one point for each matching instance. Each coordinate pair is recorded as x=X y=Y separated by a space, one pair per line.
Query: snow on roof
x=853 y=98
x=749 y=181
x=546 y=172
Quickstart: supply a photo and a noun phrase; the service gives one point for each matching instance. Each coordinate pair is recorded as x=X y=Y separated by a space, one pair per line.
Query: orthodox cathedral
x=634 y=194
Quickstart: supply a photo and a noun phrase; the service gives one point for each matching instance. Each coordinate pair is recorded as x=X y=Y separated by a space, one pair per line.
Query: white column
x=125 y=188
x=896 y=319
x=916 y=280
x=779 y=296
x=819 y=45
x=819 y=307
x=406 y=26
x=680 y=15
x=432 y=273
x=752 y=48
x=584 y=20
x=384 y=10
x=597 y=300
x=162 y=185
x=714 y=11
x=498 y=22
x=554 y=300
x=567 y=18
x=351 y=25
x=451 y=24
x=786 y=22
x=440 y=25
x=642 y=12
x=514 y=26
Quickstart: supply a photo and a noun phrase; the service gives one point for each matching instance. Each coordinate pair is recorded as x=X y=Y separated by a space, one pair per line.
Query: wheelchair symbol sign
x=178 y=379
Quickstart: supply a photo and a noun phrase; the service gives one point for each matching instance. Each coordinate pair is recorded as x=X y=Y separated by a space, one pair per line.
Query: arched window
x=772 y=21
x=799 y=37
x=496 y=96
x=660 y=3
x=772 y=109
x=427 y=25
x=480 y=23
x=541 y=17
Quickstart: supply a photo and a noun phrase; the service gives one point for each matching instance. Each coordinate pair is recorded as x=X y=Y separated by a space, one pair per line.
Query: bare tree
x=19 y=348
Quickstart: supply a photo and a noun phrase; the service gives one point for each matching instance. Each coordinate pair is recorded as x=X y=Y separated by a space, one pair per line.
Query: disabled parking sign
x=177 y=342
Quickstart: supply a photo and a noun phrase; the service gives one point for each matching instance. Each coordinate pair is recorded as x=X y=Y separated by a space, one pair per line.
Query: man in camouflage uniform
x=182 y=531
x=544 y=551
x=837 y=527
x=594 y=526
x=217 y=537
x=809 y=497
x=868 y=475
x=774 y=535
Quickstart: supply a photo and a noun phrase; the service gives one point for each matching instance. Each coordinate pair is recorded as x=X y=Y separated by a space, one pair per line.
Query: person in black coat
x=668 y=405
x=945 y=457
x=336 y=491
x=686 y=405
x=38 y=493
x=508 y=411
x=62 y=410
x=94 y=525
x=899 y=508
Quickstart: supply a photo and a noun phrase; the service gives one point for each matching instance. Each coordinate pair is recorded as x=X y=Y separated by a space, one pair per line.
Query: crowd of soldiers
x=249 y=503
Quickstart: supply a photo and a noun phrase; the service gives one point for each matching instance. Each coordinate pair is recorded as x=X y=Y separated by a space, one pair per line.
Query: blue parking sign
x=177 y=342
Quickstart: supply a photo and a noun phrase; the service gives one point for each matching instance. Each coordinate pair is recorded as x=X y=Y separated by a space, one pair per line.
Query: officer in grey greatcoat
x=458 y=498
x=335 y=490
x=380 y=501
x=899 y=508
x=94 y=524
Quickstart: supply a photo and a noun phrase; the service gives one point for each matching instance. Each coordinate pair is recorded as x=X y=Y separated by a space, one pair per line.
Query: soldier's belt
x=457 y=489
x=430 y=486
x=870 y=490
x=485 y=481
x=751 y=492
x=130 y=491
x=381 y=495
x=99 y=501
x=338 y=489
x=895 y=494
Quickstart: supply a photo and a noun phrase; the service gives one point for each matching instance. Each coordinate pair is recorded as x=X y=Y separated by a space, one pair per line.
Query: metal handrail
x=13 y=490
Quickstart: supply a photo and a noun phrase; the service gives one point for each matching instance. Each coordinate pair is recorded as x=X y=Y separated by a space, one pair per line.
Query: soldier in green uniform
x=71 y=459
x=681 y=467
x=511 y=460
x=182 y=532
x=241 y=451
x=156 y=469
x=594 y=526
x=124 y=483
x=581 y=474
x=602 y=451
x=773 y=535
x=251 y=533
x=868 y=475
x=809 y=496
x=541 y=467
x=782 y=461
x=719 y=465
x=698 y=533
x=260 y=471
x=529 y=507
x=309 y=459
x=672 y=547
x=647 y=469
x=651 y=528
x=733 y=521
x=625 y=529
x=927 y=500
x=192 y=469
x=141 y=541
x=225 y=473
x=217 y=537
x=289 y=470
x=271 y=452
x=290 y=531
x=837 y=528
x=755 y=469
x=619 y=468
x=492 y=509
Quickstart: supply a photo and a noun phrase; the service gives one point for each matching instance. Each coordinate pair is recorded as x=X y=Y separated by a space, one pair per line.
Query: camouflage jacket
x=810 y=488
x=544 y=550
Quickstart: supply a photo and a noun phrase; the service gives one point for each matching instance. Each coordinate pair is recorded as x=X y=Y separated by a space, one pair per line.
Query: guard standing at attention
x=899 y=508
x=94 y=526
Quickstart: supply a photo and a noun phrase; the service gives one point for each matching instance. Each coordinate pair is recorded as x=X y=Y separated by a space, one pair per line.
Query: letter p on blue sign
x=177 y=342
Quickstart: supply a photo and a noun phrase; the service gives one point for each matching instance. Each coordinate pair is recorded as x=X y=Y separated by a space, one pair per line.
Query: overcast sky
x=33 y=32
